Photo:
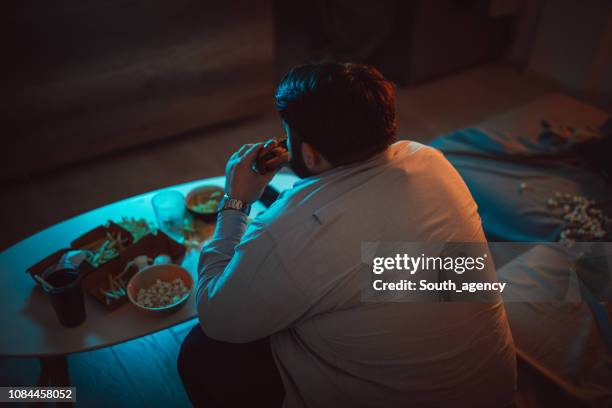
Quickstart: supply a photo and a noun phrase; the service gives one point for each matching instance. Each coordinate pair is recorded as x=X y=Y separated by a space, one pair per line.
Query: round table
x=29 y=324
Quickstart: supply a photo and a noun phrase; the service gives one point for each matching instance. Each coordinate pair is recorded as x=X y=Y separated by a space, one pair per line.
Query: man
x=286 y=290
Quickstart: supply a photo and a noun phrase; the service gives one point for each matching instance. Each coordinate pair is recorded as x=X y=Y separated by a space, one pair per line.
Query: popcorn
x=552 y=203
x=584 y=221
x=162 y=293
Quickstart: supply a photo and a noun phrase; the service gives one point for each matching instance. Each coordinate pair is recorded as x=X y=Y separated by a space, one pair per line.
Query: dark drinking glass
x=66 y=296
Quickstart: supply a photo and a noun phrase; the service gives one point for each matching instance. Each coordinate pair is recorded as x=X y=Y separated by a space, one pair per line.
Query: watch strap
x=229 y=203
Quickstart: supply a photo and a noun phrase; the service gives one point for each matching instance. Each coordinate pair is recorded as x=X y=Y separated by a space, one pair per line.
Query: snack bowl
x=147 y=278
x=202 y=202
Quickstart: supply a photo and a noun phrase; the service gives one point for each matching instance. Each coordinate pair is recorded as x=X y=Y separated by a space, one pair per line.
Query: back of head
x=345 y=111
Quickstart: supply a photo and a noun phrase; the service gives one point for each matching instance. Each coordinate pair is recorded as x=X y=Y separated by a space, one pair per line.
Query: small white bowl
x=149 y=275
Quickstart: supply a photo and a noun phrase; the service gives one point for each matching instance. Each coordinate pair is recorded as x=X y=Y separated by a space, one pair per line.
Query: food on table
x=210 y=205
x=197 y=232
x=105 y=249
x=162 y=293
x=117 y=283
x=116 y=287
x=138 y=227
x=162 y=259
x=141 y=261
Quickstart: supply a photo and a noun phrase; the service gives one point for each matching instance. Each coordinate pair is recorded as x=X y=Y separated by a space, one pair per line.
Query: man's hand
x=241 y=182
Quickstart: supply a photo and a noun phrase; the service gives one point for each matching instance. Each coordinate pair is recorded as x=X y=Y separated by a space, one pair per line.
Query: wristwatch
x=229 y=203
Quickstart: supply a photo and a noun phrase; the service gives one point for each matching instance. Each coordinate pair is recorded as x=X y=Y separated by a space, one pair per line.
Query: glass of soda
x=66 y=296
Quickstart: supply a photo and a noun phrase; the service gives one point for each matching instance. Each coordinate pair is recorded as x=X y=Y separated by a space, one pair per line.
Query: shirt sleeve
x=244 y=292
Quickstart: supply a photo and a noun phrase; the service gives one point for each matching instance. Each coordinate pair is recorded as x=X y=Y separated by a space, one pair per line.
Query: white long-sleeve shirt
x=294 y=275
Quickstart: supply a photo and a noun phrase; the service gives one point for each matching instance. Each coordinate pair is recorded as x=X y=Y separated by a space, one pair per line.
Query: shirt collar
x=373 y=161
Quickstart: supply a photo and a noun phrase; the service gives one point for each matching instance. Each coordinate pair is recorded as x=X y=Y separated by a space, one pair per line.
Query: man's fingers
x=252 y=151
x=243 y=149
x=279 y=151
x=275 y=163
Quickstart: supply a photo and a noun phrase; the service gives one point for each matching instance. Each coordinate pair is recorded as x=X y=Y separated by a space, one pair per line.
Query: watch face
x=236 y=204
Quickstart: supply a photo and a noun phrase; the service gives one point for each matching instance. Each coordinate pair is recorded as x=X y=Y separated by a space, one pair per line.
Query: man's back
x=339 y=351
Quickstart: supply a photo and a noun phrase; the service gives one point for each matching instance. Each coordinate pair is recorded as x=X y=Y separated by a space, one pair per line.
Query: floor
x=142 y=372
x=138 y=373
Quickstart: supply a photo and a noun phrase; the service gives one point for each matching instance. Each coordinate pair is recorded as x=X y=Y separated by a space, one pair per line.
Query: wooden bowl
x=201 y=195
x=148 y=276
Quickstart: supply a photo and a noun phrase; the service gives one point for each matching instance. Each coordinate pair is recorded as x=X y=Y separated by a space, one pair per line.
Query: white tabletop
x=27 y=320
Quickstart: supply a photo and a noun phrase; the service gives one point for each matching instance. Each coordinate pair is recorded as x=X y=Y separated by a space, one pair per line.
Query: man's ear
x=313 y=160
x=310 y=155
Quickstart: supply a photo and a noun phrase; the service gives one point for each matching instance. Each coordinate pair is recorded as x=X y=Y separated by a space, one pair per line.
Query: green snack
x=210 y=205
x=137 y=227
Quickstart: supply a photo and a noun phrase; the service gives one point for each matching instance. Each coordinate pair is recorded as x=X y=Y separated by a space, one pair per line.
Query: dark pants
x=218 y=374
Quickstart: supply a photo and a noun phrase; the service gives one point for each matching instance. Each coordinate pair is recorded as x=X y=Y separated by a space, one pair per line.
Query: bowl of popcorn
x=160 y=289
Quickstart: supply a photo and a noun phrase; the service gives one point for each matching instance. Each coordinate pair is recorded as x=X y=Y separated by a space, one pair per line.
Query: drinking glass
x=169 y=209
x=66 y=296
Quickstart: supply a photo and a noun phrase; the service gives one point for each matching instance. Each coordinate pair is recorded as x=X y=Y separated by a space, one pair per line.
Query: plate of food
x=203 y=202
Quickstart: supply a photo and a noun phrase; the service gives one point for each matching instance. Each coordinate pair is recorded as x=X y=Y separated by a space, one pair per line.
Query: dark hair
x=345 y=111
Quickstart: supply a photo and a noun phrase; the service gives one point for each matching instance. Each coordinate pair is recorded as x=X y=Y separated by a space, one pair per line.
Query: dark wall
x=83 y=78
x=409 y=41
